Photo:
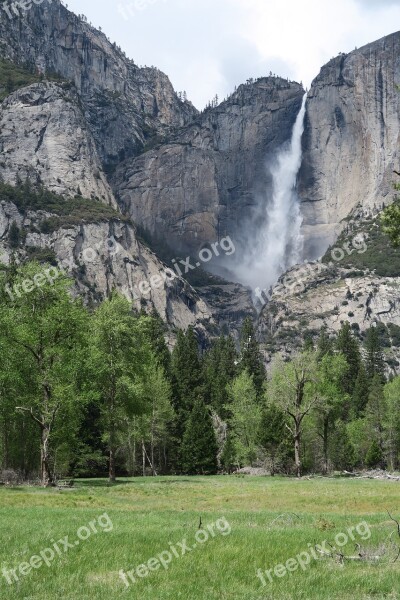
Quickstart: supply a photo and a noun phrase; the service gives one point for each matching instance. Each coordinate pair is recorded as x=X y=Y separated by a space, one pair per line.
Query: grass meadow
x=272 y=520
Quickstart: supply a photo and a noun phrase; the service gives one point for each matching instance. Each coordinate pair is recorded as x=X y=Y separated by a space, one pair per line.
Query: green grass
x=148 y=514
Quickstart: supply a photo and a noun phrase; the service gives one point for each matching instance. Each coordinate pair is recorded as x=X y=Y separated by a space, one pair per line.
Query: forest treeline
x=91 y=391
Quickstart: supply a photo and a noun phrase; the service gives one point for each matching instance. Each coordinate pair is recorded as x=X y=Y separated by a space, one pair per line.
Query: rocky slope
x=357 y=281
x=102 y=256
x=351 y=142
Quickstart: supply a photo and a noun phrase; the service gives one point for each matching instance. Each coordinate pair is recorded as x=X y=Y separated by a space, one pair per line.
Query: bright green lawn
x=147 y=514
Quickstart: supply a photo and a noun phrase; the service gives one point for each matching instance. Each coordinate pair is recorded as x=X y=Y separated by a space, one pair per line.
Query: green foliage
x=220 y=368
x=244 y=417
x=361 y=393
x=199 y=445
x=375 y=365
x=228 y=456
x=42 y=255
x=391 y=422
x=274 y=438
x=187 y=377
x=69 y=211
x=44 y=336
x=13 y=77
x=379 y=255
x=325 y=344
x=390 y=219
x=14 y=236
x=120 y=360
x=374 y=456
x=342 y=452
x=250 y=356
x=347 y=345
x=394 y=331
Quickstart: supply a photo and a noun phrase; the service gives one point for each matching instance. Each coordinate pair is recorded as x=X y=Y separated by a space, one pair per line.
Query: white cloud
x=209 y=46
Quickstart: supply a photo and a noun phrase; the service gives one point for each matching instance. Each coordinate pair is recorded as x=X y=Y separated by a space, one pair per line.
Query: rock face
x=105 y=256
x=351 y=142
x=126 y=106
x=206 y=182
x=318 y=295
x=44 y=137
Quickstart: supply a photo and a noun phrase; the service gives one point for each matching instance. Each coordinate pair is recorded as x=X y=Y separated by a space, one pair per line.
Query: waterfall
x=278 y=245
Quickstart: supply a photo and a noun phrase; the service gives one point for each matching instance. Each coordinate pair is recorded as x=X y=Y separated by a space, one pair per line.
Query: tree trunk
x=297 y=457
x=325 y=445
x=111 y=470
x=111 y=466
x=46 y=475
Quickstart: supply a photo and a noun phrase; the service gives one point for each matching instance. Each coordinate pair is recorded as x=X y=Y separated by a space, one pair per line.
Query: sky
x=206 y=47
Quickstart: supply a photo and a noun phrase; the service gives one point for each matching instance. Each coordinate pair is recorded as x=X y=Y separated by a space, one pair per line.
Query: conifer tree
x=220 y=368
x=186 y=377
x=250 y=358
x=374 y=456
x=199 y=446
x=376 y=410
x=361 y=392
x=14 y=235
x=349 y=347
x=156 y=330
x=228 y=456
x=374 y=356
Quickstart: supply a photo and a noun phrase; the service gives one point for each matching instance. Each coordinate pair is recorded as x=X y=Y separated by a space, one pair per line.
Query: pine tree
x=376 y=410
x=156 y=330
x=342 y=450
x=361 y=392
x=374 y=356
x=374 y=456
x=228 y=456
x=199 y=447
x=186 y=377
x=14 y=235
x=251 y=358
x=349 y=347
x=220 y=368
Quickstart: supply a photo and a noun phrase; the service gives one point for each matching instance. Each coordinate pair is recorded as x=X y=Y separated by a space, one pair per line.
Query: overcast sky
x=207 y=47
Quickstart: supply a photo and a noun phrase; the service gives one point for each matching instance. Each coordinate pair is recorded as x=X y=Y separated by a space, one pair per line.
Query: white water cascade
x=278 y=246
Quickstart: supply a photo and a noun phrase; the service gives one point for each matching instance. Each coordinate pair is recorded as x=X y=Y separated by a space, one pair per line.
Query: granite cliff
x=351 y=143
